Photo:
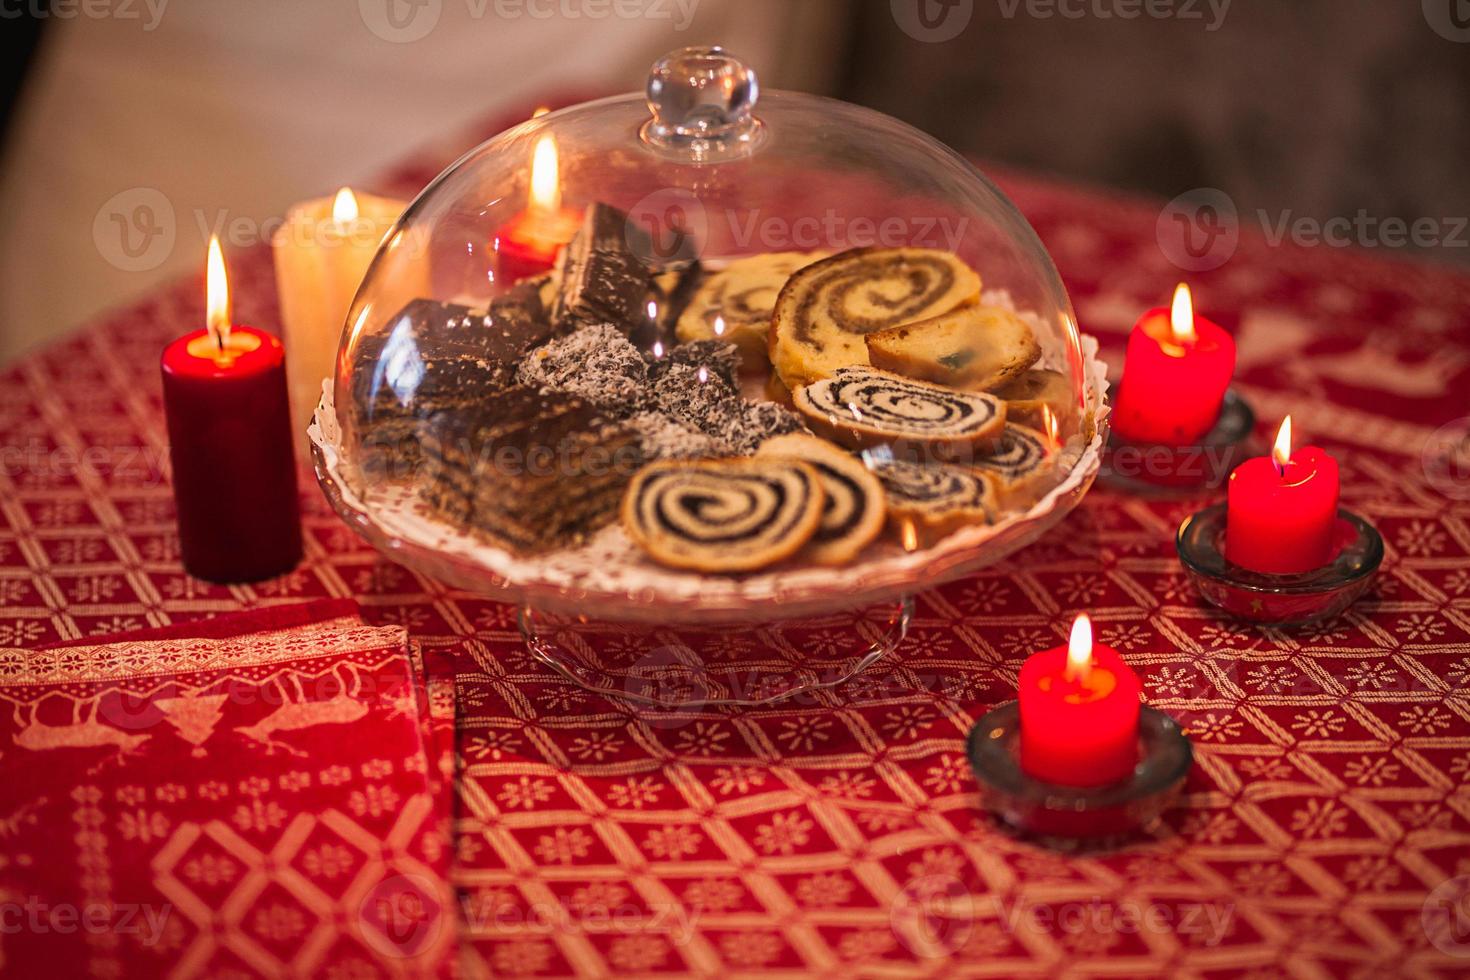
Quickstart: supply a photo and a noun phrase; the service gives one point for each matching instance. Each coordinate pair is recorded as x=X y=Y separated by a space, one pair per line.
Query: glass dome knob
x=701 y=100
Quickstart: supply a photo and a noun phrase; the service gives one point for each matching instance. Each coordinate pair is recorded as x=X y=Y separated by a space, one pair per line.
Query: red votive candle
x=1282 y=510
x=528 y=243
x=229 y=431
x=1079 y=713
x=1174 y=378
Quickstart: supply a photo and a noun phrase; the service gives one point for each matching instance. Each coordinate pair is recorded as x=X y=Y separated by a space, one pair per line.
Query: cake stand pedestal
x=689 y=668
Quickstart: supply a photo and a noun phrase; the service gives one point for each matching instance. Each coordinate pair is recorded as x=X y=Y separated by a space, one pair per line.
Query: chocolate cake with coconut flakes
x=528 y=468
x=597 y=363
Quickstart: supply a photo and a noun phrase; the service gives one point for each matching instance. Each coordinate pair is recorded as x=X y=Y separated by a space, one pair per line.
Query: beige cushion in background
x=243 y=108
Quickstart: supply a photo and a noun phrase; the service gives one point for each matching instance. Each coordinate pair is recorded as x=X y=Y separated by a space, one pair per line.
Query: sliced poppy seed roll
x=867 y=407
x=925 y=503
x=853 y=513
x=723 y=515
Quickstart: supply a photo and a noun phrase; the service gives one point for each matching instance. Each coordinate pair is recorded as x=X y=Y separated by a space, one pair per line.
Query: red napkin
x=261 y=794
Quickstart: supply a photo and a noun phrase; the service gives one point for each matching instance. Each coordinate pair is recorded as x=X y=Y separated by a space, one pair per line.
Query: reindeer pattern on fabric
x=272 y=772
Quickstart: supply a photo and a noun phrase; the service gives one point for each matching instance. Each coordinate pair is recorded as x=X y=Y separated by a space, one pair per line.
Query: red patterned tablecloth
x=1329 y=808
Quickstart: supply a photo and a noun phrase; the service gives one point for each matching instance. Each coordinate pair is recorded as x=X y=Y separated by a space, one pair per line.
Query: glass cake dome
x=618 y=358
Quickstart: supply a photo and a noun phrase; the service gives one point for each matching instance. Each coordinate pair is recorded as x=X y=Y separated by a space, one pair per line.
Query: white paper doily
x=609 y=577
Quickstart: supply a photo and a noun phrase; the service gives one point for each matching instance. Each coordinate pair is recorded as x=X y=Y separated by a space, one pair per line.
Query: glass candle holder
x=1279 y=600
x=1159 y=470
x=1064 y=814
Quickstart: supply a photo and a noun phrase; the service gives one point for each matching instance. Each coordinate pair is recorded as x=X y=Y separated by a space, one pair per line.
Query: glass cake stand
x=658 y=190
x=606 y=619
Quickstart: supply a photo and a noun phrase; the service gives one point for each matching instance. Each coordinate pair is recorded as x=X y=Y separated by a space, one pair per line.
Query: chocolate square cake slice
x=436 y=357
x=528 y=468
x=601 y=279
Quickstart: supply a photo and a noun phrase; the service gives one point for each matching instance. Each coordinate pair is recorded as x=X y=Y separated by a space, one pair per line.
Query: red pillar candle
x=1282 y=510
x=527 y=244
x=1174 y=378
x=1079 y=713
x=229 y=432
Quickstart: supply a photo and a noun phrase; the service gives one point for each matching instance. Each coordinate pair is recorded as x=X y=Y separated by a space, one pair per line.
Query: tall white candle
x=322 y=251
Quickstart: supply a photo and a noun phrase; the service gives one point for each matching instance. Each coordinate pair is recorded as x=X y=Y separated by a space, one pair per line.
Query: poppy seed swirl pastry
x=734 y=304
x=723 y=515
x=853 y=511
x=927 y=502
x=975 y=347
x=861 y=407
x=1021 y=459
x=1029 y=397
x=827 y=308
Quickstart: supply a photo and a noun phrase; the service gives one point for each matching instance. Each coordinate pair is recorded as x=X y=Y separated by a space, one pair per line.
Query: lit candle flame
x=910 y=536
x=545 y=179
x=1181 y=316
x=719 y=325
x=1281 y=452
x=344 y=207
x=1079 y=649
x=658 y=349
x=1052 y=425
x=217 y=296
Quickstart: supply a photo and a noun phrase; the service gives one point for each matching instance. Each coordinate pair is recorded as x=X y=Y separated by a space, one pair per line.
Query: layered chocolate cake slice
x=528 y=468
x=600 y=278
x=436 y=357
